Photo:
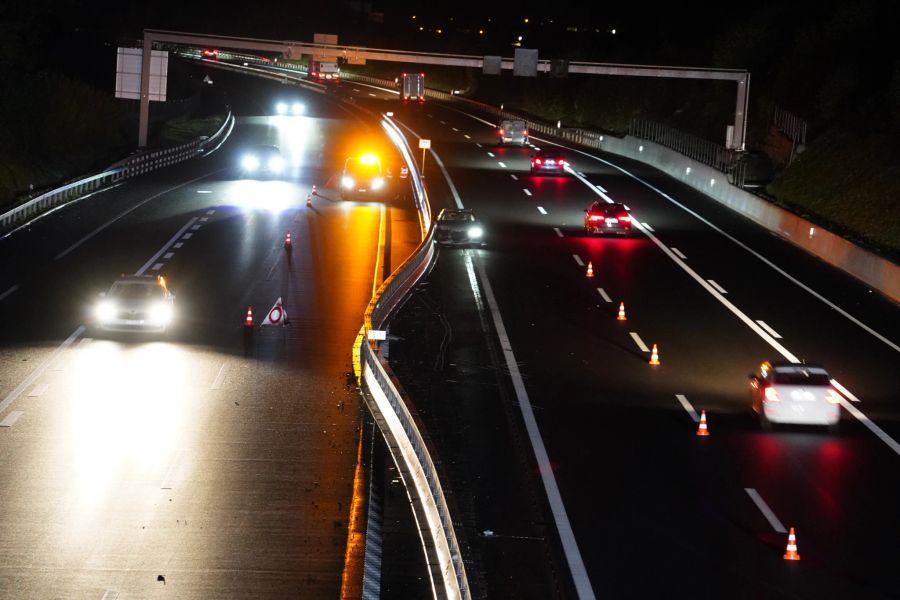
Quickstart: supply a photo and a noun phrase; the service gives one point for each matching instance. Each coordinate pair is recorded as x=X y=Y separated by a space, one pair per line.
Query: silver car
x=513 y=131
x=796 y=393
x=136 y=303
x=458 y=227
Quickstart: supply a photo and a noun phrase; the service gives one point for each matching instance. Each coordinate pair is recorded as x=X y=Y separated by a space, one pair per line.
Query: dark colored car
x=548 y=161
x=603 y=217
x=458 y=227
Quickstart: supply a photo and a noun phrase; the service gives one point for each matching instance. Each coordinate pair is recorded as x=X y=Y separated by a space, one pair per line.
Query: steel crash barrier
x=132 y=166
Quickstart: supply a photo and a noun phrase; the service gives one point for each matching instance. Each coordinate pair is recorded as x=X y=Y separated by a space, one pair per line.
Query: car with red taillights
x=548 y=161
x=794 y=393
x=604 y=217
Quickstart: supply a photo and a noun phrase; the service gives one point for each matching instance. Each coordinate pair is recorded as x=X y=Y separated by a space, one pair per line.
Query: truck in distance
x=412 y=87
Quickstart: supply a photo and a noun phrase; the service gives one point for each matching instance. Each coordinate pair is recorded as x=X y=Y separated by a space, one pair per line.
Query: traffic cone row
x=248 y=320
x=621 y=316
x=791 y=552
x=590 y=269
x=314 y=192
x=308 y=200
x=654 y=356
x=703 y=430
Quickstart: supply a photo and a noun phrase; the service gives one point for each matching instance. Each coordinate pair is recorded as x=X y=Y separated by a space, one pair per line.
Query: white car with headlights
x=136 y=303
x=794 y=393
x=256 y=161
x=290 y=108
x=362 y=176
x=458 y=227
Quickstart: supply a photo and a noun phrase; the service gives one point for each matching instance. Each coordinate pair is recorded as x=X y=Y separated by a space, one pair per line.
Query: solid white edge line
x=688 y=407
x=9 y=292
x=563 y=526
x=765 y=510
x=679 y=254
x=637 y=340
x=578 y=260
x=647 y=225
x=844 y=390
x=491 y=154
x=11 y=418
x=220 y=378
x=513 y=175
x=26 y=383
x=604 y=295
x=165 y=248
x=771 y=331
x=527 y=191
x=542 y=210
x=440 y=164
x=558 y=232
x=502 y=165
x=718 y=287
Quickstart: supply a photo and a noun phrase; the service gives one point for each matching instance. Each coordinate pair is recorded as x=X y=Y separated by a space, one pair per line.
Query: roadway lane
x=639 y=487
x=200 y=463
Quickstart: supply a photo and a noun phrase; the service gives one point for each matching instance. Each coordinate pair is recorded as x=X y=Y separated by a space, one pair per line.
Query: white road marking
x=558 y=232
x=765 y=510
x=604 y=295
x=170 y=473
x=527 y=191
x=220 y=378
x=718 y=287
x=599 y=187
x=356 y=90
x=844 y=390
x=168 y=255
x=156 y=267
x=373 y=95
x=679 y=254
x=771 y=331
x=204 y=219
x=491 y=154
x=430 y=116
x=211 y=212
x=513 y=175
x=178 y=245
x=688 y=407
x=637 y=340
x=454 y=129
x=479 y=145
x=204 y=191
x=38 y=390
x=9 y=292
x=466 y=135
x=578 y=260
x=503 y=165
x=84 y=342
x=110 y=595
x=647 y=225
x=560 y=517
x=166 y=246
x=11 y=418
x=541 y=210
x=196 y=227
x=10 y=398
x=443 y=123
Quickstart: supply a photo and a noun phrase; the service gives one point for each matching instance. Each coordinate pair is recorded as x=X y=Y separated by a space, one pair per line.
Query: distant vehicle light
x=560 y=162
x=377 y=183
x=281 y=108
x=537 y=161
x=368 y=159
x=525 y=132
x=347 y=182
x=250 y=163
x=500 y=132
x=105 y=311
x=297 y=108
x=772 y=395
x=476 y=232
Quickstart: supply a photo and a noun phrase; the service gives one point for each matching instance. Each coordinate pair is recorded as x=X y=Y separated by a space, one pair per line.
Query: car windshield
x=801 y=377
x=608 y=209
x=456 y=216
x=137 y=291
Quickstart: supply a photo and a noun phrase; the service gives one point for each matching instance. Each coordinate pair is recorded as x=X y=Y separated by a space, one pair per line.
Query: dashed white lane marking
x=196 y=227
x=187 y=236
x=204 y=219
x=156 y=267
x=637 y=340
x=491 y=154
x=430 y=116
x=11 y=418
x=29 y=381
x=357 y=89
x=443 y=123
x=373 y=95
x=558 y=509
x=718 y=287
x=771 y=331
x=604 y=295
x=38 y=390
x=110 y=595
x=599 y=187
x=503 y=165
x=844 y=390
x=168 y=255
x=211 y=212
x=527 y=192
x=688 y=407
x=454 y=129
x=466 y=135
x=479 y=145
x=84 y=342
x=9 y=292
x=558 y=232
x=165 y=248
x=204 y=191
x=513 y=175
x=541 y=210
x=765 y=510
x=220 y=378
x=578 y=260
x=647 y=225
x=178 y=245
x=678 y=253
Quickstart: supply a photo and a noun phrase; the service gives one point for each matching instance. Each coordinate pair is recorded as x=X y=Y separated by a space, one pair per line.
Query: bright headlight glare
x=298 y=108
x=276 y=164
x=281 y=108
x=250 y=162
x=475 y=232
x=105 y=311
x=347 y=182
x=161 y=313
x=377 y=183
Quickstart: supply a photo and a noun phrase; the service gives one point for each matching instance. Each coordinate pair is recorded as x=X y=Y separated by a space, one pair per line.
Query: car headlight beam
x=347 y=182
x=250 y=162
x=476 y=232
x=105 y=311
x=377 y=183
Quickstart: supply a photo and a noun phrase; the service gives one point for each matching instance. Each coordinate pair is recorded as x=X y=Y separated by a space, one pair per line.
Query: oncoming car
x=262 y=160
x=362 y=175
x=290 y=108
x=603 y=217
x=136 y=303
x=548 y=161
x=798 y=393
x=458 y=227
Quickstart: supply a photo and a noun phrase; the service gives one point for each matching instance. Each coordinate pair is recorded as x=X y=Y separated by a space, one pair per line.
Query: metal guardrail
x=709 y=153
x=132 y=166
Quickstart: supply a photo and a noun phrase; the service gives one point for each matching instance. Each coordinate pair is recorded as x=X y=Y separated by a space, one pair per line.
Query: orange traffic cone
x=314 y=192
x=621 y=316
x=248 y=320
x=308 y=200
x=590 y=269
x=791 y=552
x=702 y=431
x=287 y=241
x=654 y=356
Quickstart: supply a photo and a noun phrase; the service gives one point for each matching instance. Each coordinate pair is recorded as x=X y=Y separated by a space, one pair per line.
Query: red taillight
x=596 y=218
x=500 y=132
x=771 y=394
x=537 y=161
x=525 y=132
x=560 y=162
x=624 y=218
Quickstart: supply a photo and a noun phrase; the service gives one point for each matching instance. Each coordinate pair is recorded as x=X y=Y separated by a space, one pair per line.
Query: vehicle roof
x=548 y=153
x=607 y=205
x=142 y=279
x=264 y=148
x=783 y=366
